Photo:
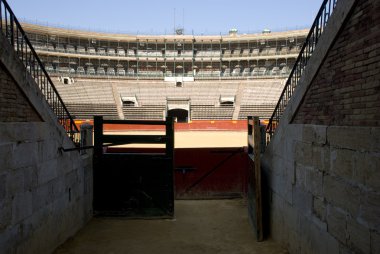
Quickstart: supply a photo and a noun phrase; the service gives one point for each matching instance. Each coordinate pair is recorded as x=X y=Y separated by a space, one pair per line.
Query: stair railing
x=307 y=50
x=16 y=36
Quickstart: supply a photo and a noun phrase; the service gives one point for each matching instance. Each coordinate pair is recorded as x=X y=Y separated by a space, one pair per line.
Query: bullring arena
x=263 y=142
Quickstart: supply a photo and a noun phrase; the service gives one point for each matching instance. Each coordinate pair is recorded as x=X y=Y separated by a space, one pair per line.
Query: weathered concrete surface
x=207 y=226
x=322 y=168
x=45 y=194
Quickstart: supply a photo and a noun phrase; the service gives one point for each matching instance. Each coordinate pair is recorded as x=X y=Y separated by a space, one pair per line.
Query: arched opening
x=128 y=103
x=226 y=103
x=182 y=115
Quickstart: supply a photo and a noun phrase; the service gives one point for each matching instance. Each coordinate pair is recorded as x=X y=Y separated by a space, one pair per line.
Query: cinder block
x=370 y=209
x=15 y=182
x=361 y=138
x=22 y=206
x=342 y=163
x=5 y=215
x=24 y=155
x=341 y=194
x=47 y=171
x=302 y=200
x=336 y=224
x=5 y=155
x=315 y=134
x=366 y=170
x=375 y=242
x=358 y=236
x=304 y=154
x=30 y=178
x=321 y=157
x=314 y=181
x=3 y=185
x=47 y=150
x=42 y=196
x=319 y=207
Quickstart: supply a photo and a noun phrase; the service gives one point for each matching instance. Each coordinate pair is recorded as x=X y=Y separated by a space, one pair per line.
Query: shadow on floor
x=200 y=226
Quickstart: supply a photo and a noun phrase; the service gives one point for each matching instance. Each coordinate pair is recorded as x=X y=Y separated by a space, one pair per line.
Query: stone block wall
x=325 y=188
x=322 y=166
x=45 y=193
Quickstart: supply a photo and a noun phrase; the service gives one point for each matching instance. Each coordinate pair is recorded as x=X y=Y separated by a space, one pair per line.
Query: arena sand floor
x=199 y=226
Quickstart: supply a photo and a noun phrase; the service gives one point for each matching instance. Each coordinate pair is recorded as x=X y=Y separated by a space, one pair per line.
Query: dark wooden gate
x=133 y=184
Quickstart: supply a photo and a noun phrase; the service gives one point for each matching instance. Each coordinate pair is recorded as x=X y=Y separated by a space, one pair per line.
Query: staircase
x=239 y=96
x=10 y=27
x=306 y=52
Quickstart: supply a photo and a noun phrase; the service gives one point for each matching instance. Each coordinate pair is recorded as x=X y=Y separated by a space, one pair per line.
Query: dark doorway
x=133 y=184
x=182 y=115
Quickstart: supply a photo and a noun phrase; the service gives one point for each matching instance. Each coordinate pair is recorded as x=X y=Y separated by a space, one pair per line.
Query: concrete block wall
x=325 y=188
x=45 y=194
x=322 y=166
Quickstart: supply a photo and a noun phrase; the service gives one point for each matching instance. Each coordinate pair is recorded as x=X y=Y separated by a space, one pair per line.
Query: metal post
x=98 y=136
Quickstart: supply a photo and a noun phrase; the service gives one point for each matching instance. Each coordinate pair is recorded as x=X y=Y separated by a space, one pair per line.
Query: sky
x=160 y=17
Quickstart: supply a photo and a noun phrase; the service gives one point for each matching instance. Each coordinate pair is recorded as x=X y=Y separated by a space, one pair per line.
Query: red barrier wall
x=205 y=173
x=223 y=125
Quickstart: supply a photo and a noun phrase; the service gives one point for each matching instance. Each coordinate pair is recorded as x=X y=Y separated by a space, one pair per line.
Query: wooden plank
x=134 y=139
x=141 y=122
x=98 y=136
x=257 y=163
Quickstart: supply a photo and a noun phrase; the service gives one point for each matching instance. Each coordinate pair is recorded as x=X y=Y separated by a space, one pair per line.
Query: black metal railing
x=306 y=51
x=13 y=31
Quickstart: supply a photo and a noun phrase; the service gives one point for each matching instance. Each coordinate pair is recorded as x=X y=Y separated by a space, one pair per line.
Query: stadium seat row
x=121 y=52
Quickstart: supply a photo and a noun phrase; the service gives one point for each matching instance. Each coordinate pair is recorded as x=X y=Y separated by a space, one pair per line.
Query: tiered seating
x=255 y=52
x=208 y=53
x=120 y=52
x=188 y=53
x=227 y=53
x=227 y=72
x=207 y=111
x=89 y=110
x=111 y=52
x=236 y=52
x=285 y=71
x=50 y=47
x=101 y=51
x=70 y=49
x=171 y=53
x=246 y=72
x=275 y=71
x=91 y=51
x=100 y=71
x=86 y=99
x=145 y=112
x=262 y=110
x=245 y=52
x=111 y=71
x=131 y=52
x=81 y=50
x=120 y=71
x=90 y=70
x=235 y=72
x=259 y=98
x=60 y=48
x=80 y=70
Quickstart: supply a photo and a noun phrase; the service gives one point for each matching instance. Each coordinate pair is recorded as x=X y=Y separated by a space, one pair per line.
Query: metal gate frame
x=165 y=159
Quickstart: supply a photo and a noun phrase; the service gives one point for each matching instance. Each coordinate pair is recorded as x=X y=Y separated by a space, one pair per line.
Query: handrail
x=13 y=31
x=308 y=48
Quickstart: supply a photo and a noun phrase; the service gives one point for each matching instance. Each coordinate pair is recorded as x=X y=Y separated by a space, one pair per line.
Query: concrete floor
x=204 y=226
